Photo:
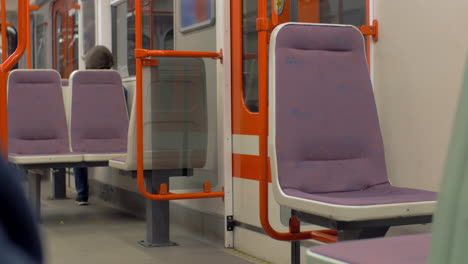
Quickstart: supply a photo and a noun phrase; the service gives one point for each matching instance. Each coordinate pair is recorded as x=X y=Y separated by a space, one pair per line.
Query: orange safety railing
x=8 y=63
x=264 y=26
x=140 y=54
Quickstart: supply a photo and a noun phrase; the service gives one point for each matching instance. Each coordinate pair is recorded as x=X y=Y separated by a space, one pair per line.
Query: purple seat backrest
x=36 y=113
x=64 y=82
x=99 y=117
x=326 y=124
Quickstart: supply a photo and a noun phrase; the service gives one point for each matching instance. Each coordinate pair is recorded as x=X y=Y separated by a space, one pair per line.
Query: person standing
x=97 y=58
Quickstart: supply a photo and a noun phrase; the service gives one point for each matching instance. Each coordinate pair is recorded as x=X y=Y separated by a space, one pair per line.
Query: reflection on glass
x=74 y=42
x=40 y=43
x=343 y=12
x=89 y=25
x=157 y=21
x=59 y=41
x=323 y=11
x=250 y=62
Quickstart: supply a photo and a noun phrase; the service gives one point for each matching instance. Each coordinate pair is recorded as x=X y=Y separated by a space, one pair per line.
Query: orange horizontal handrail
x=327 y=236
x=143 y=53
x=8 y=65
x=140 y=54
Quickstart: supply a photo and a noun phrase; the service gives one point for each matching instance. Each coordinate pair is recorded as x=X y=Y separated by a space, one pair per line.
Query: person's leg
x=81 y=185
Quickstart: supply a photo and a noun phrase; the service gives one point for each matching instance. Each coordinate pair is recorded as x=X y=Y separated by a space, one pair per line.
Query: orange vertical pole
x=139 y=95
x=5 y=67
x=3 y=90
x=263 y=23
x=28 y=37
x=4 y=32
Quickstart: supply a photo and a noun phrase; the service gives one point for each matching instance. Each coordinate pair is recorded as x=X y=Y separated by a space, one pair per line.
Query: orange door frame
x=140 y=55
x=8 y=64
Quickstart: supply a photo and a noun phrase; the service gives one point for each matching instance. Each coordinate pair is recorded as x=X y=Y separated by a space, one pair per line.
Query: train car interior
x=233 y=131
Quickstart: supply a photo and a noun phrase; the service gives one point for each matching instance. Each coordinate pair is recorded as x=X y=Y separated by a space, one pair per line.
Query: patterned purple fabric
x=64 y=82
x=36 y=113
x=412 y=249
x=375 y=195
x=327 y=130
x=99 y=119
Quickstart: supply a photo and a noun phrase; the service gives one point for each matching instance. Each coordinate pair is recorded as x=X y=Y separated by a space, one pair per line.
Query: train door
x=65 y=36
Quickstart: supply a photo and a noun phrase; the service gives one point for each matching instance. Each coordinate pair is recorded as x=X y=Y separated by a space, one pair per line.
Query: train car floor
x=101 y=234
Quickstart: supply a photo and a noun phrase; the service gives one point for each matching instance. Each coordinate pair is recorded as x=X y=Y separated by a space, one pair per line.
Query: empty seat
x=174 y=117
x=325 y=144
x=99 y=117
x=448 y=241
x=37 y=124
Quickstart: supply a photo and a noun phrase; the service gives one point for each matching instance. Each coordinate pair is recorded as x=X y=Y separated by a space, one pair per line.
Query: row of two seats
x=83 y=125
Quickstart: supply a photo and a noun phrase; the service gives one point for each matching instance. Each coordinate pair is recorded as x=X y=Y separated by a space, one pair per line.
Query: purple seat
x=36 y=119
x=413 y=249
x=325 y=142
x=65 y=82
x=99 y=117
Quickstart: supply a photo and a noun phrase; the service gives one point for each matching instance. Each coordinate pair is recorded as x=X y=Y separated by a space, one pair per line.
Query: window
x=157 y=31
x=65 y=37
x=59 y=58
x=314 y=11
x=343 y=12
x=89 y=25
x=12 y=42
x=249 y=44
x=40 y=42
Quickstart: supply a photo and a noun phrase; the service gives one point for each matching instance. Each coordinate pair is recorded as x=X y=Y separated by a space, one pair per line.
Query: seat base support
x=34 y=191
x=349 y=230
x=157 y=214
x=58 y=184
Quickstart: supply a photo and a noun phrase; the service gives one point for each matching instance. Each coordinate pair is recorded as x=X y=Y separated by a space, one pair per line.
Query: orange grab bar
x=328 y=236
x=140 y=53
x=8 y=65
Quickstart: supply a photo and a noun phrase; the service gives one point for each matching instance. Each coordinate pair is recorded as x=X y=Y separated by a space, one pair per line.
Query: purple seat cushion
x=413 y=249
x=375 y=195
x=99 y=118
x=36 y=114
x=327 y=130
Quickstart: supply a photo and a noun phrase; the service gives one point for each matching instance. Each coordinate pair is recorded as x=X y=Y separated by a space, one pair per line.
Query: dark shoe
x=81 y=201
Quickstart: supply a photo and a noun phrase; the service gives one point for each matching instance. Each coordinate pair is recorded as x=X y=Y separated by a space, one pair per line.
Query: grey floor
x=101 y=234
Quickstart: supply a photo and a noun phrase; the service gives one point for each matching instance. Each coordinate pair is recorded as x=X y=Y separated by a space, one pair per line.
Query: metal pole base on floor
x=58 y=184
x=157 y=215
x=34 y=189
x=295 y=247
x=295 y=252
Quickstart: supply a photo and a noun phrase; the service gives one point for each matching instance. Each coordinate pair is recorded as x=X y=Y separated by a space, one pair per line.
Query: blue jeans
x=81 y=182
